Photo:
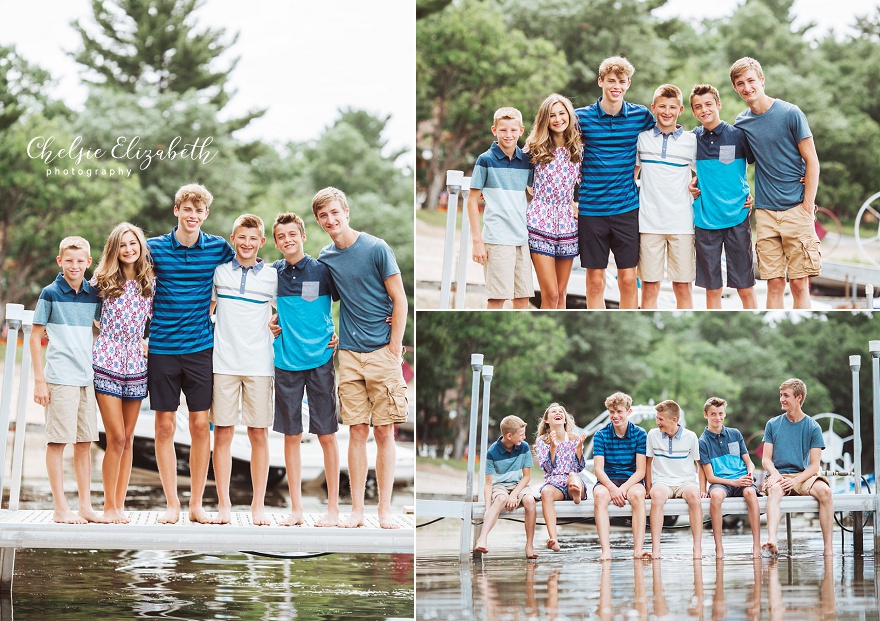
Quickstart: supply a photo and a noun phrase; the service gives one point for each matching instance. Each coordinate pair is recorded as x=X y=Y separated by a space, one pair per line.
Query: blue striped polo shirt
x=724 y=451
x=305 y=293
x=68 y=316
x=608 y=187
x=503 y=181
x=722 y=156
x=620 y=453
x=506 y=466
x=184 y=279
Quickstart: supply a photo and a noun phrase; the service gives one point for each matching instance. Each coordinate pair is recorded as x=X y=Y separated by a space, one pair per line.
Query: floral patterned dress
x=552 y=225
x=117 y=356
x=556 y=471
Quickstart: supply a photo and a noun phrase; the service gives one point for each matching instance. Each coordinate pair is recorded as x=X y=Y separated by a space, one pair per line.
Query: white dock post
x=465 y=543
x=855 y=364
x=874 y=347
x=484 y=432
x=453 y=185
x=14 y=315
x=463 y=245
x=21 y=413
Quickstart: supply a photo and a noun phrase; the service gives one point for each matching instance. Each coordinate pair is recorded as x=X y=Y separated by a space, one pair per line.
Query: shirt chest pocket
x=733 y=448
x=727 y=153
x=310 y=289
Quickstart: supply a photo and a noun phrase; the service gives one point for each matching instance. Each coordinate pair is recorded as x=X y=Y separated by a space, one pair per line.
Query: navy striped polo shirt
x=305 y=294
x=506 y=466
x=620 y=453
x=184 y=279
x=608 y=186
x=722 y=156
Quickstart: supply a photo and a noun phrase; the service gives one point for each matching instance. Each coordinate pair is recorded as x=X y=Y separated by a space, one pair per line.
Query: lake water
x=572 y=584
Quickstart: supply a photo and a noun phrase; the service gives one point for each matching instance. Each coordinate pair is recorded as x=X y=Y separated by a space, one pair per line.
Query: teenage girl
x=561 y=456
x=555 y=148
x=124 y=279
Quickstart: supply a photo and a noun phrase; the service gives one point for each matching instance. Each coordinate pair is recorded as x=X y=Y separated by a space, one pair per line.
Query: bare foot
x=387 y=521
x=354 y=520
x=294 y=519
x=197 y=514
x=171 y=516
x=644 y=556
x=552 y=544
x=756 y=552
x=769 y=549
x=90 y=515
x=223 y=516
x=115 y=516
x=67 y=516
x=605 y=556
x=698 y=553
x=530 y=552
x=719 y=552
x=258 y=517
x=575 y=493
x=481 y=548
x=329 y=519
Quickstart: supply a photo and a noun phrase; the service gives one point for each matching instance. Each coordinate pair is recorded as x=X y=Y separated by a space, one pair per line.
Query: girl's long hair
x=544 y=425
x=539 y=144
x=108 y=276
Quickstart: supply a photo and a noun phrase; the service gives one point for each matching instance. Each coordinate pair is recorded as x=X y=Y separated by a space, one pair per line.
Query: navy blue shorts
x=731 y=490
x=168 y=374
x=740 y=258
x=619 y=234
x=323 y=405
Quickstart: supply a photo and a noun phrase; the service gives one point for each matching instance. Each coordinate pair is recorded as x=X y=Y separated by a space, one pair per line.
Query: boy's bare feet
x=605 y=556
x=66 y=516
x=197 y=514
x=769 y=549
x=223 y=516
x=387 y=521
x=644 y=556
x=698 y=553
x=530 y=552
x=258 y=517
x=552 y=544
x=482 y=549
x=354 y=520
x=756 y=552
x=294 y=519
x=330 y=519
x=114 y=516
x=171 y=516
x=90 y=515
x=719 y=552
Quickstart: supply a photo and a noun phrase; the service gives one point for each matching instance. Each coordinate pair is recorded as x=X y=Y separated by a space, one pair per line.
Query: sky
x=302 y=60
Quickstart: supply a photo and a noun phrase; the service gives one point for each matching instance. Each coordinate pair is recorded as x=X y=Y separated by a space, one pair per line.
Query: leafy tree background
x=579 y=358
x=154 y=72
x=465 y=71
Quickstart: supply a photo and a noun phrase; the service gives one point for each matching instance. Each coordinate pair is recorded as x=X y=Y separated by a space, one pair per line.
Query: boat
x=312 y=456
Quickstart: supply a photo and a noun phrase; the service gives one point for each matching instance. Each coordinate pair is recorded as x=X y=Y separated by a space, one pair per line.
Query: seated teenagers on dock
x=508 y=472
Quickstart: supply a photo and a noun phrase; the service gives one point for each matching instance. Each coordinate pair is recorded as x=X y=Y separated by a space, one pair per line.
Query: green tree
x=22 y=87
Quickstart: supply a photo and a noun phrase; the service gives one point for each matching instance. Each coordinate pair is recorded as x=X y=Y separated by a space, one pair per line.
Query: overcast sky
x=302 y=60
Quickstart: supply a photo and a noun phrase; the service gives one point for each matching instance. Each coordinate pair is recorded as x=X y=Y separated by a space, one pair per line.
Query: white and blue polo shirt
x=724 y=451
x=242 y=339
x=305 y=293
x=68 y=316
x=607 y=184
x=503 y=181
x=674 y=456
x=722 y=157
x=666 y=160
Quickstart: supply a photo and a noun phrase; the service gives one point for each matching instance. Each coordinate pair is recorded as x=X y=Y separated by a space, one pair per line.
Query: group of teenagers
x=247 y=361
x=668 y=461
x=667 y=203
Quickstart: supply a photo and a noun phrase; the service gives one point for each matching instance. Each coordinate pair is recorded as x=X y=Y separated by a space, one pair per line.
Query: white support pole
x=874 y=347
x=463 y=246
x=855 y=365
x=21 y=413
x=14 y=314
x=465 y=544
x=484 y=428
x=453 y=185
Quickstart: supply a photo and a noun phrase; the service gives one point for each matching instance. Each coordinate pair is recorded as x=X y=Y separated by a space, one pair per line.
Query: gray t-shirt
x=773 y=138
x=792 y=442
x=359 y=273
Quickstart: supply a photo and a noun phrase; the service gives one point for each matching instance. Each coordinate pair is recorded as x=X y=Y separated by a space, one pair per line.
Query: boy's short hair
x=326 y=196
x=798 y=388
x=714 y=402
x=286 y=218
x=668 y=407
x=507 y=113
x=74 y=242
x=511 y=424
x=249 y=221
x=196 y=193
x=742 y=65
x=704 y=89
x=617 y=65
x=618 y=399
x=668 y=90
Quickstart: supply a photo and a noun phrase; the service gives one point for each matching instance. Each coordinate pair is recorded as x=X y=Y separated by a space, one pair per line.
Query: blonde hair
x=539 y=144
x=742 y=65
x=326 y=196
x=668 y=407
x=109 y=278
x=798 y=388
x=670 y=91
x=286 y=218
x=616 y=65
x=507 y=113
x=618 y=399
x=511 y=424
x=195 y=193
x=249 y=221
x=544 y=425
x=704 y=89
x=74 y=242
x=714 y=402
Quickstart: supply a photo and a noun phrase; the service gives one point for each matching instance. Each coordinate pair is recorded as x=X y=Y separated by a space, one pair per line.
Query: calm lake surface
x=572 y=584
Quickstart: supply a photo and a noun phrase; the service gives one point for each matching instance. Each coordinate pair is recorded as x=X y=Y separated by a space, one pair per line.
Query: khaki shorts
x=800 y=490
x=787 y=244
x=71 y=415
x=508 y=272
x=675 y=252
x=504 y=489
x=676 y=491
x=256 y=400
x=371 y=388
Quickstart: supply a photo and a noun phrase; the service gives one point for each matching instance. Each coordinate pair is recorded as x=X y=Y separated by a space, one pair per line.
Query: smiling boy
x=608 y=200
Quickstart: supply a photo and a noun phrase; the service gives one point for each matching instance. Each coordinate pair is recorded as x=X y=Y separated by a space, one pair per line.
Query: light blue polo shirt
x=722 y=157
x=503 y=181
x=506 y=466
x=724 y=451
x=68 y=316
